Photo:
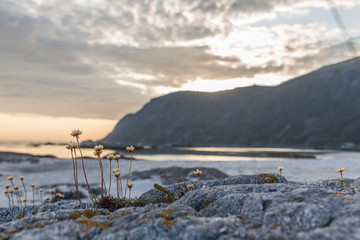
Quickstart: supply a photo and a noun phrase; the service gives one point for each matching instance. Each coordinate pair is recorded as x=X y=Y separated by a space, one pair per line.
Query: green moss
x=268 y=178
x=111 y=203
x=89 y=214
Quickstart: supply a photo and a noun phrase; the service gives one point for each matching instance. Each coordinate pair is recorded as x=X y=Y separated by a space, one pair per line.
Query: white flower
x=76 y=133
x=117 y=156
x=110 y=156
x=98 y=147
x=197 y=172
x=281 y=168
x=130 y=149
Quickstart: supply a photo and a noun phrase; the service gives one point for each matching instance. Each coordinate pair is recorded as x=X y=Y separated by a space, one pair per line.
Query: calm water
x=178 y=154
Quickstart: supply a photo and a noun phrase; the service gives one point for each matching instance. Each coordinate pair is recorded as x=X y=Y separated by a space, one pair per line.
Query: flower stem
x=110 y=178
x=120 y=178
x=128 y=176
x=75 y=174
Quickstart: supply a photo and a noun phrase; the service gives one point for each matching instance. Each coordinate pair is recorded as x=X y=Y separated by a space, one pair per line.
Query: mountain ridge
x=318 y=109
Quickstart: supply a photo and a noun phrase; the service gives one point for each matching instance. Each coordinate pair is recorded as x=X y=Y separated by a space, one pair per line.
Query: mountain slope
x=319 y=109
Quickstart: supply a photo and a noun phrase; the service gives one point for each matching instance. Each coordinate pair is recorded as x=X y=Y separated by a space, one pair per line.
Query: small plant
x=33 y=191
x=112 y=203
x=117 y=157
x=11 y=191
x=116 y=173
x=97 y=152
x=341 y=170
x=47 y=199
x=6 y=192
x=24 y=201
x=130 y=150
x=198 y=173
x=41 y=191
x=17 y=193
x=281 y=169
x=130 y=186
x=72 y=146
x=190 y=187
x=53 y=192
x=22 y=178
x=60 y=196
x=110 y=157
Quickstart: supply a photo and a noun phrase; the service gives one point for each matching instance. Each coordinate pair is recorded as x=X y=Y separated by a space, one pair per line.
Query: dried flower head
x=130 y=149
x=24 y=200
x=190 y=186
x=98 y=147
x=47 y=199
x=281 y=168
x=11 y=191
x=22 y=178
x=117 y=174
x=72 y=145
x=7 y=186
x=32 y=185
x=117 y=156
x=130 y=185
x=41 y=190
x=110 y=156
x=197 y=172
x=6 y=192
x=10 y=178
x=340 y=170
x=16 y=187
x=53 y=191
x=58 y=194
x=62 y=196
x=76 y=133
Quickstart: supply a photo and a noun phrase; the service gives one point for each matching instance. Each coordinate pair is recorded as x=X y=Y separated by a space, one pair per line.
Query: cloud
x=91 y=58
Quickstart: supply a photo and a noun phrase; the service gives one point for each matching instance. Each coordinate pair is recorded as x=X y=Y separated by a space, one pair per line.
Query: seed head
x=130 y=185
x=22 y=178
x=7 y=186
x=98 y=147
x=281 y=168
x=340 y=170
x=6 y=192
x=24 y=200
x=76 y=133
x=32 y=185
x=10 y=178
x=11 y=191
x=72 y=145
x=115 y=170
x=117 y=156
x=197 y=172
x=41 y=190
x=47 y=199
x=53 y=191
x=130 y=149
x=58 y=194
x=110 y=157
x=190 y=186
x=16 y=187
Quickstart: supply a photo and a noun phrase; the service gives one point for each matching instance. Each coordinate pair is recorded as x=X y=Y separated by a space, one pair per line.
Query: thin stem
x=198 y=182
x=119 y=177
x=110 y=177
x=18 y=197
x=24 y=190
x=33 y=195
x=83 y=166
x=7 y=195
x=102 y=175
x=75 y=175
x=127 y=180
x=117 y=187
x=41 y=197
x=12 y=199
x=129 y=194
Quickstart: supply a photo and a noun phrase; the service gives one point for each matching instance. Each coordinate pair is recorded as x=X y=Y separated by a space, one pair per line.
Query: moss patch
x=167 y=216
x=91 y=223
x=268 y=178
x=111 y=203
x=21 y=215
x=75 y=215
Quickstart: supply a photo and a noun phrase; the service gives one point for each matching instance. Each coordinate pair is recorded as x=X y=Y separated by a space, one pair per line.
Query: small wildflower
x=197 y=172
x=10 y=178
x=190 y=186
x=16 y=187
x=130 y=149
x=110 y=156
x=21 y=178
x=98 y=147
x=24 y=200
x=130 y=185
x=47 y=199
x=7 y=186
x=341 y=170
x=53 y=191
x=32 y=185
x=76 y=133
x=72 y=145
x=117 y=156
x=6 y=192
x=41 y=190
x=11 y=191
x=280 y=169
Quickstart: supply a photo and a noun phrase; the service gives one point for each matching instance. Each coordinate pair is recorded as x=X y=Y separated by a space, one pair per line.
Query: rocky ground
x=263 y=206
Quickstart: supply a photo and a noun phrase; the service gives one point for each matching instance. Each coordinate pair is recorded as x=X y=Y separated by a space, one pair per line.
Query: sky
x=87 y=63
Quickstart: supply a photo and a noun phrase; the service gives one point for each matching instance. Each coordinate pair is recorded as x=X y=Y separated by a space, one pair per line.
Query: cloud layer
x=102 y=59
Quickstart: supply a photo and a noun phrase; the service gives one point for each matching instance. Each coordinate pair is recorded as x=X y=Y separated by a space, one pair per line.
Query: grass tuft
x=112 y=203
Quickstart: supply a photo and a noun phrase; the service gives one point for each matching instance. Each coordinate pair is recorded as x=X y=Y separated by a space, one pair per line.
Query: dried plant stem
x=33 y=190
x=198 y=182
x=117 y=187
x=128 y=176
x=18 y=197
x=341 y=174
x=129 y=194
x=83 y=167
x=7 y=195
x=121 y=190
x=110 y=178
x=41 y=197
x=12 y=199
x=24 y=190
x=103 y=185
x=75 y=175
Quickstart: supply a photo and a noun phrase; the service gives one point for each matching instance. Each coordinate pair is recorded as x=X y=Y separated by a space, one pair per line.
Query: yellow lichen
x=91 y=223
x=268 y=178
x=339 y=195
x=125 y=213
x=89 y=214
x=206 y=204
x=275 y=226
x=148 y=213
x=37 y=225
x=170 y=223
x=168 y=215
x=75 y=215
x=34 y=213
x=21 y=215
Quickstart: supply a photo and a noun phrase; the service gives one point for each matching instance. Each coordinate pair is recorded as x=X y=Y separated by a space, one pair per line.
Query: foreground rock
x=323 y=210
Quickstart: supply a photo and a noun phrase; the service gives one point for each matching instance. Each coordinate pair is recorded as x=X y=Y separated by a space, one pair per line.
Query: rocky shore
x=263 y=206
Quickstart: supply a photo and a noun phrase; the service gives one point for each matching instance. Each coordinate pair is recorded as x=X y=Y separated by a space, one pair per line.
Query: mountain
x=320 y=109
